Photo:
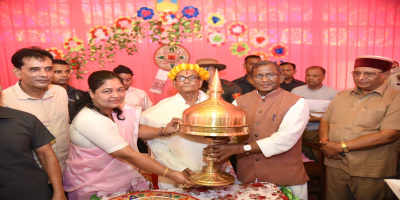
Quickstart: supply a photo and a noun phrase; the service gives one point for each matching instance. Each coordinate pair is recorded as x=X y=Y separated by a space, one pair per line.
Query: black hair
x=31 y=52
x=288 y=63
x=122 y=69
x=266 y=62
x=95 y=80
x=60 y=62
x=317 y=67
x=251 y=56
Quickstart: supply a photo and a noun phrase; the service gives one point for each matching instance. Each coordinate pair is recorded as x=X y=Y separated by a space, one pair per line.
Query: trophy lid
x=215 y=116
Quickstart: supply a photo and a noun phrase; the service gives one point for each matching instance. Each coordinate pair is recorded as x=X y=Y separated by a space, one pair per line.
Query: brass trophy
x=213 y=118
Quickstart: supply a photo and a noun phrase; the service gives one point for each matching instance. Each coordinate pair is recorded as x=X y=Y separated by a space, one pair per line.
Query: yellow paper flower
x=215 y=20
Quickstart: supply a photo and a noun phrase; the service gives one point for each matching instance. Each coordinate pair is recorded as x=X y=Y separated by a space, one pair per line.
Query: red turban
x=377 y=62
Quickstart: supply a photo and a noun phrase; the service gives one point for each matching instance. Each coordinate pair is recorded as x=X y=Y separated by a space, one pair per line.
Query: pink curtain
x=326 y=33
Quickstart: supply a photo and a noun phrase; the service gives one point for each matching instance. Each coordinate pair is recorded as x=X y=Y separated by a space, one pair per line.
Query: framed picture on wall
x=167 y=5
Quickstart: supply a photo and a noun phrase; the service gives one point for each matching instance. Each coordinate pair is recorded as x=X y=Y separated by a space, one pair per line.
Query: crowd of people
x=59 y=142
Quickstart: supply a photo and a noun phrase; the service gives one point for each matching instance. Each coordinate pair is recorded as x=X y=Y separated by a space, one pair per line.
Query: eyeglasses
x=191 y=78
x=366 y=74
x=270 y=76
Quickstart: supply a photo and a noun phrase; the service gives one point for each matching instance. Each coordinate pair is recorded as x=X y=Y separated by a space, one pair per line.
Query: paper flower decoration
x=169 y=17
x=216 y=38
x=99 y=33
x=237 y=29
x=123 y=23
x=57 y=53
x=145 y=13
x=259 y=40
x=73 y=44
x=190 y=11
x=278 y=51
x=215 y=20
x=239 y=49
x=262 y=54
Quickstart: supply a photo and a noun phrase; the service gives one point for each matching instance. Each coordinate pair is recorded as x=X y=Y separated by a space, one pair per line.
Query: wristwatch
x=247 y=148
x=344 y=147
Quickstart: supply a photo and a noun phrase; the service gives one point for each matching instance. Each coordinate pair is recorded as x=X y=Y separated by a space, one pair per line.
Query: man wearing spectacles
x=272 y=150
x=315 y=92
x=246 y=82
x=360 y=132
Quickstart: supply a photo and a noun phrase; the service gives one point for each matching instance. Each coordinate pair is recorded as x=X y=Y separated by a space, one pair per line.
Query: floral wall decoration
x=76 y=56
x=237 y=29
x=262 y=54
x=239 y=49
x=215 y=20
x=216 y=38
x=57 y=53
x=259 y=40
x=145 y=13
x=278 y=51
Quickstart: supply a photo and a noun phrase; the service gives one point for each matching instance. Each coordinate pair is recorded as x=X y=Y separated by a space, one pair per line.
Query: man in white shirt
x=272 y=150
x=34 y=94
x=314 y=90
x=134 y=97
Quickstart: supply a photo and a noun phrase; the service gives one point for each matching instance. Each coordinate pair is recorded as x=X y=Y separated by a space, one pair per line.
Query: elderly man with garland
x=360 y=132
x=180 y=152
x=277 y=118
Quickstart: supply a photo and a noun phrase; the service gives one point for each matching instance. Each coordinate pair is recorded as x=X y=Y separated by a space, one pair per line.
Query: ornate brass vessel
x=213 y=118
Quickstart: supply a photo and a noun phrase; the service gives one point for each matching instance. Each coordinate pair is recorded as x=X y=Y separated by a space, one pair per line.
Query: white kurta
x=179 y=151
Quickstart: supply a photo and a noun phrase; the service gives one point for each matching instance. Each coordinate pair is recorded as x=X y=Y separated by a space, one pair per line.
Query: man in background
x=134 y=97
x=61 y=77
x=245 y=82
x=363 y=124
x=20 y=176
x=289 y=82
x=34 y=93
x=313 y=92
x=231 y=90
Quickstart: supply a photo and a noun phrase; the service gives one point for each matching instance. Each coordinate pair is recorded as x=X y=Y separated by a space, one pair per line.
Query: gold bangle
x=163 y=132
x=165 y=171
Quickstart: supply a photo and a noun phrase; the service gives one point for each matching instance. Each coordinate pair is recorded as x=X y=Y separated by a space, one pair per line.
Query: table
x=252 y=191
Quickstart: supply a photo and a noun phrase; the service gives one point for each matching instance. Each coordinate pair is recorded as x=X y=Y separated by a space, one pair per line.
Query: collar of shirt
x=22 y=95
x=380 y=90
x=202 y=97
x=4 y=114
x=263 y=97
x=130 y=89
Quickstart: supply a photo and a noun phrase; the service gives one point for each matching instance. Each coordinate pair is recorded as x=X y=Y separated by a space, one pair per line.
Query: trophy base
x=212 y=178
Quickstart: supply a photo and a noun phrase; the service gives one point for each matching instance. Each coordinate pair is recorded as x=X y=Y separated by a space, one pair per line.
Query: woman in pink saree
x=103 y=155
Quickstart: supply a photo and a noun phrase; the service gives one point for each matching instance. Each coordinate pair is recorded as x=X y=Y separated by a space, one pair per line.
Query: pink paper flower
x=123 y=23
x=100 y=33
x=239 y=49
x=259 y=40
x=237 y=29
x=57 y=53
x=73 y=44
x=216 y=38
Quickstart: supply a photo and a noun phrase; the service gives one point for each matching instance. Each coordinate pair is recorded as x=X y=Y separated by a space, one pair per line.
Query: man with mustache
x=360 y=132
x=33 y=93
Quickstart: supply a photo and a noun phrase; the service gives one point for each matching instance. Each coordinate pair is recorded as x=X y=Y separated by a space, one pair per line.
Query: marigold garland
x=203 y=73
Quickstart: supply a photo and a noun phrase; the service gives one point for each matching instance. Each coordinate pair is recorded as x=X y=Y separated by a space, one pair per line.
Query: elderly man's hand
x=331 y=149
x=223 y=151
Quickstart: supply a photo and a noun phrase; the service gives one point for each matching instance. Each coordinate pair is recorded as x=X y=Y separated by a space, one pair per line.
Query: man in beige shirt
x=360 y=132
x=34 y=94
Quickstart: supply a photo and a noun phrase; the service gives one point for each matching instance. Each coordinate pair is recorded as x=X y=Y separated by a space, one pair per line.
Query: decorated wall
x=101 y=34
